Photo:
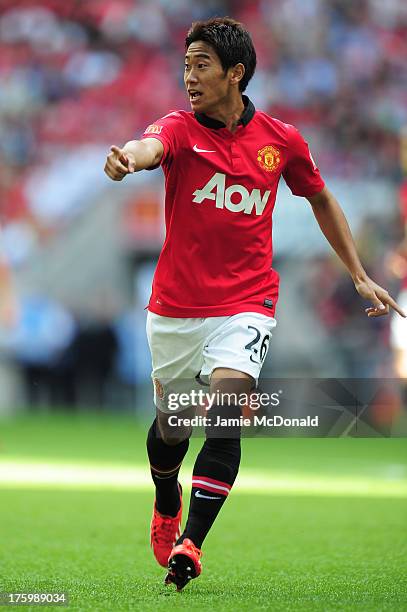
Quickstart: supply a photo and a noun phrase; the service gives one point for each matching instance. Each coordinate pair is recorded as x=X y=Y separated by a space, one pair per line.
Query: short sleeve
x=168 y=131
x=301 y=173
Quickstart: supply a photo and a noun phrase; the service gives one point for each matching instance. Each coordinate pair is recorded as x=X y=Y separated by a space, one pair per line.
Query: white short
x=190 y=349
x=398 y=325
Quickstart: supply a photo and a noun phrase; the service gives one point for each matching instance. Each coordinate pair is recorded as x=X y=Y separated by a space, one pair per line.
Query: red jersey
x=220 y=194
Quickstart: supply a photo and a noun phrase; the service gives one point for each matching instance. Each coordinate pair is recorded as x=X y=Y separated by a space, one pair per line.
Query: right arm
x=136 y=155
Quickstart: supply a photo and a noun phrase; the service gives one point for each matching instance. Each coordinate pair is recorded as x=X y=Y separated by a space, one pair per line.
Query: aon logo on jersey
x=215 y=190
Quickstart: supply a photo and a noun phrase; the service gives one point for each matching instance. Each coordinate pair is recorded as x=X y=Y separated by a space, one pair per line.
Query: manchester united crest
x=269 y=158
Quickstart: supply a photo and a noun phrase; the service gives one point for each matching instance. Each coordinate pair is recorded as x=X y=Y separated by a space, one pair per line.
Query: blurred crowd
x=73 y=74
x=362 y=345
x=64 y=358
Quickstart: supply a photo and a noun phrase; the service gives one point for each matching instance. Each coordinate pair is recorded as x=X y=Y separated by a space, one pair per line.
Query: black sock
x=215 y=470
x=165 y=463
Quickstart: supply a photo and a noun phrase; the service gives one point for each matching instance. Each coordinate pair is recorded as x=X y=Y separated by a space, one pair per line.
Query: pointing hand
x=119 y=163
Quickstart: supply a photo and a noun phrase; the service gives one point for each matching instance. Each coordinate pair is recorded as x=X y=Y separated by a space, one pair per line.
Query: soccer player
x=211 y=312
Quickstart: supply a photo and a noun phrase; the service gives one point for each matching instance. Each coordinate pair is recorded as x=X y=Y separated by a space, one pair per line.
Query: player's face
x=206 y=83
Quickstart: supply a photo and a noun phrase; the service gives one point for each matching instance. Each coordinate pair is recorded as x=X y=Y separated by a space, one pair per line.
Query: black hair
x=231 y=42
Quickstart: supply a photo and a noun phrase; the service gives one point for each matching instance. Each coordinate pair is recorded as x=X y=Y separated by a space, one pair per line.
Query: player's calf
x=214 y=473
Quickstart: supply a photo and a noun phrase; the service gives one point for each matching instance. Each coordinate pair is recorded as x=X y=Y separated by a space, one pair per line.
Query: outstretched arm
x=136 y=155
x=335 y=228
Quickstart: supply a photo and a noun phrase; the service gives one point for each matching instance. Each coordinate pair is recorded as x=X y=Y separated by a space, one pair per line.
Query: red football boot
x=164 y=532
x=183 y=564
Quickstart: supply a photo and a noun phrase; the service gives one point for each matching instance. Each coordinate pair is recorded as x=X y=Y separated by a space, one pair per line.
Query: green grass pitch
x=268 y=550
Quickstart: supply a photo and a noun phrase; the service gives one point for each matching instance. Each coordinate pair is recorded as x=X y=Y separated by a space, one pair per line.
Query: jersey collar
x=247 y=116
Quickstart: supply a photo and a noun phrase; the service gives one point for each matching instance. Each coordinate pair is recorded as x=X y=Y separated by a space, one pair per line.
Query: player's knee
x=226 y=383
x=170 y=434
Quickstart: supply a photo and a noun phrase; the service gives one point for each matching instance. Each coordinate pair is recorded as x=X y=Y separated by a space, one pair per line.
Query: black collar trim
x=214 y=124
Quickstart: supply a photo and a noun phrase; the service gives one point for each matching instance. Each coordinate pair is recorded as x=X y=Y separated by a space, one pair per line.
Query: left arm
x=335 y=228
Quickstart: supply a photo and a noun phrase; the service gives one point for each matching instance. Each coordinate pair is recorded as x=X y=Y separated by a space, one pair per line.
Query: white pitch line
x=18 y=474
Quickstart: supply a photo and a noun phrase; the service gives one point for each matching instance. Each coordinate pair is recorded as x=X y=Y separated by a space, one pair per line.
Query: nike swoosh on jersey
x=198 y=150
x=199 y=494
